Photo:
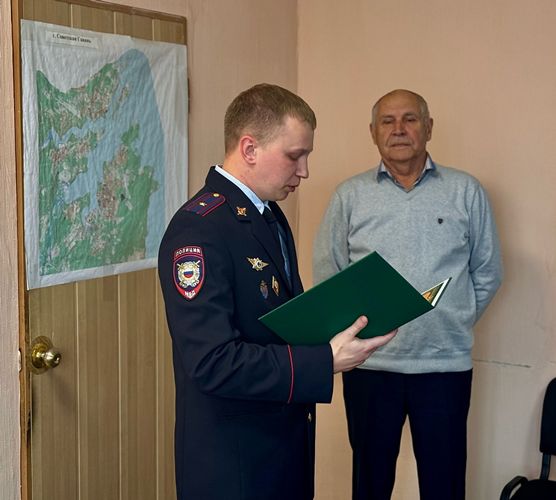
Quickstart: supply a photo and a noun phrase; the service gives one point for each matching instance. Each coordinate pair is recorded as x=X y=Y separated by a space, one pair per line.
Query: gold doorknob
x=44 y=355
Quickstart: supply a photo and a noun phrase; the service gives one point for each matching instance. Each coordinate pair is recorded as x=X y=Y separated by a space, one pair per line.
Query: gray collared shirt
x=383 y=171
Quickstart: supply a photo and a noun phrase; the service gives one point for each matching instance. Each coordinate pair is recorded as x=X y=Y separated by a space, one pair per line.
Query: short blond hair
x=260 y=111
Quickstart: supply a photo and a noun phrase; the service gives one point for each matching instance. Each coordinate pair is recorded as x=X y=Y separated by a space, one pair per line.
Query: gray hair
x=424 y=107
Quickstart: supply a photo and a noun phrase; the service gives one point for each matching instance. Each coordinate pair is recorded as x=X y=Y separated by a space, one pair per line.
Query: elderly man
x=430 y=222
x=245 y=400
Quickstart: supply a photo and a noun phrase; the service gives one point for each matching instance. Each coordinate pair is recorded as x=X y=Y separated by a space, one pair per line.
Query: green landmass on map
x=77 y=234
x=60 y=111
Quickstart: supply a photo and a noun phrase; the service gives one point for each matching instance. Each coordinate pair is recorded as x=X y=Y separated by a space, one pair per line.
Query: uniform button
x=309 y=417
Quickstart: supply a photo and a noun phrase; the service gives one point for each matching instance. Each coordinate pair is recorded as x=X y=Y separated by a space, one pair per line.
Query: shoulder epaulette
x=205 y=203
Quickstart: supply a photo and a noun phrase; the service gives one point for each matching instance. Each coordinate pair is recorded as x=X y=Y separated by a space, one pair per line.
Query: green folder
x=369 y=287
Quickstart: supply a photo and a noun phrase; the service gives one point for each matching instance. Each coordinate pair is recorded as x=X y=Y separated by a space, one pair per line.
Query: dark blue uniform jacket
x=245 y=419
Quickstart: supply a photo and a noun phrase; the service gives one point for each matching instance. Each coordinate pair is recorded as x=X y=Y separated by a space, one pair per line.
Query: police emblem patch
x=189 y=271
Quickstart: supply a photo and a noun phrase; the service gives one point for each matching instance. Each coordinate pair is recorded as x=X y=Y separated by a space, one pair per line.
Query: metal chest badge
x=264 y=289
x=275 y=286
x=189 y=271
x=256 y=263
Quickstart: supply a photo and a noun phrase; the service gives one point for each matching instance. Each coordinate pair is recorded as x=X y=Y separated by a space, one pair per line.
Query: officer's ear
x=248 y=149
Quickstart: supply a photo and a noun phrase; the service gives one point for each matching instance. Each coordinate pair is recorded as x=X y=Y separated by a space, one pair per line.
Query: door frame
x=24 y=374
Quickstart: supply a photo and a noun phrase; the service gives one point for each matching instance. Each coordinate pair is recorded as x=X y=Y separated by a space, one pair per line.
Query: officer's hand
x=349 y=351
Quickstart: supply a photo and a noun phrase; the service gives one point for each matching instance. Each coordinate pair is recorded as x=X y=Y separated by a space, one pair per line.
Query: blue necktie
x=280 y=237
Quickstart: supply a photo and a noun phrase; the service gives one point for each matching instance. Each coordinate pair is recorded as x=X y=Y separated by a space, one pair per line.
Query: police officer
x=245 y=400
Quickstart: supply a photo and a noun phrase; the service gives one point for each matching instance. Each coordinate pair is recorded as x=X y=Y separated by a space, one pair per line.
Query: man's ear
x=429 y=129
x=248 y=149
x=371 y=129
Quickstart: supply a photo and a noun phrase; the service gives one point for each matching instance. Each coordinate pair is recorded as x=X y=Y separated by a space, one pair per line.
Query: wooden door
x=101 y=423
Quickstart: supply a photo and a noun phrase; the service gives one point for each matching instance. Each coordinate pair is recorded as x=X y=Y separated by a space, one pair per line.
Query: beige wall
x=486 y=70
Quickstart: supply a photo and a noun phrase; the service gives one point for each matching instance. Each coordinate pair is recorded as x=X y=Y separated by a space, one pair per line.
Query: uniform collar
x=243 y=207
x=259 y=204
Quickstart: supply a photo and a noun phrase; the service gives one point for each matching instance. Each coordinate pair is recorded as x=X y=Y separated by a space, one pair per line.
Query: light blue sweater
x=443 y=227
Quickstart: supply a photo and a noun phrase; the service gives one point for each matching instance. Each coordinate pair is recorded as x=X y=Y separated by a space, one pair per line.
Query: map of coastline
x=101 y=168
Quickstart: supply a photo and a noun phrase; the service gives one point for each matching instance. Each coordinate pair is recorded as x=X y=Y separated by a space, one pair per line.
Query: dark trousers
x=436 y=404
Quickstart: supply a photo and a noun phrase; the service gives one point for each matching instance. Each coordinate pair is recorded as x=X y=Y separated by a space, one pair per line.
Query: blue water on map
x=133 y=102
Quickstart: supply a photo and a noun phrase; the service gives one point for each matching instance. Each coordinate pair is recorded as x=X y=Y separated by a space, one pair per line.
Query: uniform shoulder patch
x=189 y=271
x=205 y=203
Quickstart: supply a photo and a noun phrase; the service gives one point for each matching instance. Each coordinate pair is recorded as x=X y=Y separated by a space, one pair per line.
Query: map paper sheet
x=105 y=150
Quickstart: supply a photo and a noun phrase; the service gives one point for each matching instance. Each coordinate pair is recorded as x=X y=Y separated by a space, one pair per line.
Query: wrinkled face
x=282 y=162
x=400 y=131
